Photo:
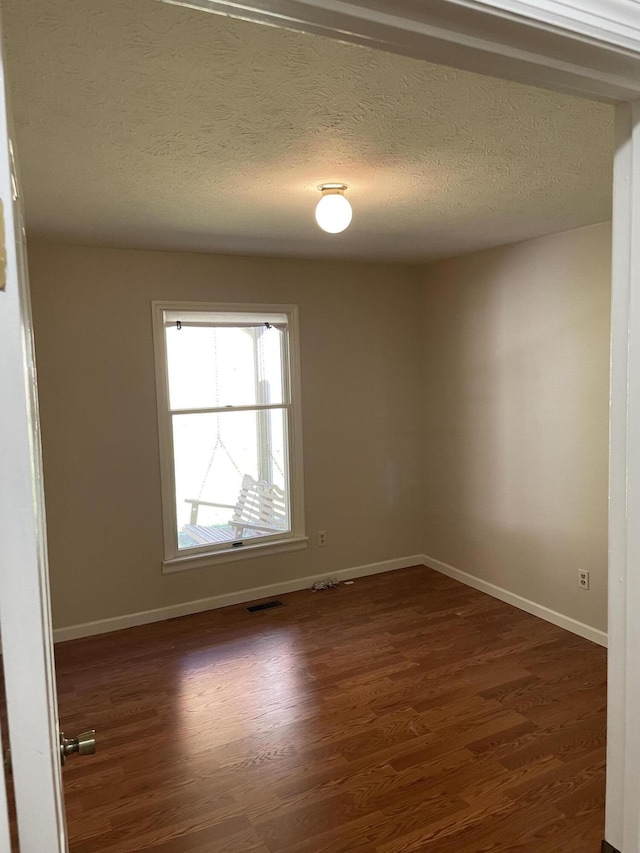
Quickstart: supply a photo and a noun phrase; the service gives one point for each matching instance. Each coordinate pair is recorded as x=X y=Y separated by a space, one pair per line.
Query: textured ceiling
x=149 y=125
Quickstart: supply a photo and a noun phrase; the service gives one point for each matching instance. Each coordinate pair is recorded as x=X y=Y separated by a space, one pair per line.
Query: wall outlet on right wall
x=583 y=579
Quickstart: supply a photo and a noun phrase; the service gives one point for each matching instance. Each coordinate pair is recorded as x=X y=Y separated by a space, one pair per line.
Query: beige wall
x=360 y=355
x=473 y=431
x=516 y=344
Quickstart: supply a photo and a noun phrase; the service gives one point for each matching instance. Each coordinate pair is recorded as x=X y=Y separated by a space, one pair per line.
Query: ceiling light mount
x=333 y=188
x=333 y=211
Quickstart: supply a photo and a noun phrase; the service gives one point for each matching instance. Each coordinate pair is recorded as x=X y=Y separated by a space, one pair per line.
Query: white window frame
x=176 y=560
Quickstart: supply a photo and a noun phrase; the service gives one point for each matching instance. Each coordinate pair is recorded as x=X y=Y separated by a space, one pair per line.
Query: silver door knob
x=84 y=744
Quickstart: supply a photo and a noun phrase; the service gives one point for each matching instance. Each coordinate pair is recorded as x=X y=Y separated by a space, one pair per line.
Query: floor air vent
x=266 y=606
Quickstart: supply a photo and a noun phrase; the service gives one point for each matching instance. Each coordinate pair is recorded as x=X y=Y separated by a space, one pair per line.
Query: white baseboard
x=144 y=617
x=532 y=607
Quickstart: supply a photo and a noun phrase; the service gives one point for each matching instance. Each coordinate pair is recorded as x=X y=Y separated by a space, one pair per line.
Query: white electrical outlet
x=583 y=579
x=322 y=538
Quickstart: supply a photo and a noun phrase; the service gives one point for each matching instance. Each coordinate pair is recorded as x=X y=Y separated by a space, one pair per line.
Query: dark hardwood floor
x=403 y=713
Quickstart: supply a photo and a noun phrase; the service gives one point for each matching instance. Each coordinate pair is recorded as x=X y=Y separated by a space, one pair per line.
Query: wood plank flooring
x=403 y=713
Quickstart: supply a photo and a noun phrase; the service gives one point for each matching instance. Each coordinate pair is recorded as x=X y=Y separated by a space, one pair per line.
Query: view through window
x=228 y=395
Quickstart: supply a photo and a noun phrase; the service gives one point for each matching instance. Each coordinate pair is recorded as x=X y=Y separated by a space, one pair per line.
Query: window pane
x=215 y=367
x=220 y=459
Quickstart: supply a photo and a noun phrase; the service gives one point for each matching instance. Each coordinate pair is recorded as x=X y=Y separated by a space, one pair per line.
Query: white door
x=25 y=622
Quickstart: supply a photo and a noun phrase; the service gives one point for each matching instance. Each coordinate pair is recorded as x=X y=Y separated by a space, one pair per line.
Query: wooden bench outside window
x=260 y=509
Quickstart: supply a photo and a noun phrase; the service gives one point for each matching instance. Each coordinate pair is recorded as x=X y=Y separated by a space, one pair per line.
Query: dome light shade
x=333 y=211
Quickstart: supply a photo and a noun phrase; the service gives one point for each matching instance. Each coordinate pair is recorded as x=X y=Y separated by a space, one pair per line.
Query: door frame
x=588 y=48
x=25 y=617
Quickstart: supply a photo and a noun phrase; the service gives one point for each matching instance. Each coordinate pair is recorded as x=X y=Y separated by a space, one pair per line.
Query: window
x=229 y=426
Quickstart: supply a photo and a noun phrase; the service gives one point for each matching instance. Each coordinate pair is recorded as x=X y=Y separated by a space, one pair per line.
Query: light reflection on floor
x=272 y=667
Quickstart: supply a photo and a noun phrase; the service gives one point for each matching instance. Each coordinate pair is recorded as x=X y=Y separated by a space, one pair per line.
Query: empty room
x=322 y=337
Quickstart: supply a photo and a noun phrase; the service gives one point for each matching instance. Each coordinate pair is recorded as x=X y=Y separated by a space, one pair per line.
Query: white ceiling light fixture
x=333 y=211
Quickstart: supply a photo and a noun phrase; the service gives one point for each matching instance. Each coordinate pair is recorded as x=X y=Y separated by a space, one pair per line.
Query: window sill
x=228 y=555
